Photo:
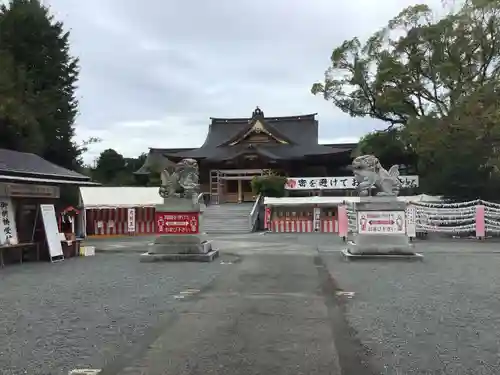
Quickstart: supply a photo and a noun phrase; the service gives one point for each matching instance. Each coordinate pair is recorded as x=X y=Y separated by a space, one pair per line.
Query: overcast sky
x=152 y=75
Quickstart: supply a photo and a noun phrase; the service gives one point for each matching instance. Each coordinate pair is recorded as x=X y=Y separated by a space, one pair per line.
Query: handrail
x=254 y=213
x=200 y=196
x=200 y=201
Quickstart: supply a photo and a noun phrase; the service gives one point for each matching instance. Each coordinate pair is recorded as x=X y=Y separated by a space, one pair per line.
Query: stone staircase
x=226 y=218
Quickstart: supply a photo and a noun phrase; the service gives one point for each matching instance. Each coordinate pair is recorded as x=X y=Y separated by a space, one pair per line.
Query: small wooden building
x=26 y=182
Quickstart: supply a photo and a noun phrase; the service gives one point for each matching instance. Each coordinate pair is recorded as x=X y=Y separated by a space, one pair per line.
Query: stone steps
x=227 y=218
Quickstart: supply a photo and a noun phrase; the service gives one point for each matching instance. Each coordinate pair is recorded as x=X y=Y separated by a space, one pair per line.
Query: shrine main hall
x=237 y=149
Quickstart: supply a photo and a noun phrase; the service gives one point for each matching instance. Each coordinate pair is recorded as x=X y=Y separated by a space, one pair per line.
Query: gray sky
x=151 y=76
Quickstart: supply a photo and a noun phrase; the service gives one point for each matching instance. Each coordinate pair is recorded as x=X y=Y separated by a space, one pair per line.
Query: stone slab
x=174 y=204
x=380 y=203
x=180 y=244
x=382 y=244
x=379 y=243
x=209 y=257
x=380 y=256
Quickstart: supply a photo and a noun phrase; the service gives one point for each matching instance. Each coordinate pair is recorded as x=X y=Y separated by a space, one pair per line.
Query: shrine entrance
x=232 y=185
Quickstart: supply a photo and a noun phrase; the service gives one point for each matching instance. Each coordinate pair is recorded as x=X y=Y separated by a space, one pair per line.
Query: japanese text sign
x=381 y=222
x=338 y=183
x=8 y=231
x=131 y=220
x=177 y=222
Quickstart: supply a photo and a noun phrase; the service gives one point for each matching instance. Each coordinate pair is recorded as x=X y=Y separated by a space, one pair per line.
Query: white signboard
x=338 y=183
x=131 y=220
x=8 y=230
x=381 y=222
x=411 y=221
x=317 y=219
x=51 y=230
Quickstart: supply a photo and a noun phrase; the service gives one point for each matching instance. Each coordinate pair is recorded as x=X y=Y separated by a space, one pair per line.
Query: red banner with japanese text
x=177 y=222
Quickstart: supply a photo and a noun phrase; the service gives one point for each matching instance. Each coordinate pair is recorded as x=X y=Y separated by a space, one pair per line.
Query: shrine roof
x=23 y=164
x=276 y=152
x=295 y=137
x=302 y=129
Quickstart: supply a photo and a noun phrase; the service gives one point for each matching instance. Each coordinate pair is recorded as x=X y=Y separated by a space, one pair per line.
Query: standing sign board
x=177 y=222
x=51 y=231
x=131 y=220
x=317 y=219
x=381 y=222
x=411 y=221
x=8 y=230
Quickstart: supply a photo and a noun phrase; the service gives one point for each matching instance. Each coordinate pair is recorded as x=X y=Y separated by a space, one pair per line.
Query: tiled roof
x=22 y=163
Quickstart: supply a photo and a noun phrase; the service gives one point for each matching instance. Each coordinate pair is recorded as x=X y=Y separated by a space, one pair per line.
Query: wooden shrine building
x=237 y=149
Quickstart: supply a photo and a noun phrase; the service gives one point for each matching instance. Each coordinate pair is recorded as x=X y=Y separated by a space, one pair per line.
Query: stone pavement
x=265 y=315
x=438 y=316
x=82 y=312
x=274 y=303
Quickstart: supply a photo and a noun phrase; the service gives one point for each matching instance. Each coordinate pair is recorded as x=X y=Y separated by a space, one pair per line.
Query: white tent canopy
x=119 y=197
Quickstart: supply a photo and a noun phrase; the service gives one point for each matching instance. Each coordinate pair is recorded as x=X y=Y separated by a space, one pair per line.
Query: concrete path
x=290 y=304
x=265 y=315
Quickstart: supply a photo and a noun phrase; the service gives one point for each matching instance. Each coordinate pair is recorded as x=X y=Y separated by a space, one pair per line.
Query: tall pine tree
x=19 y=129
x=39 y=47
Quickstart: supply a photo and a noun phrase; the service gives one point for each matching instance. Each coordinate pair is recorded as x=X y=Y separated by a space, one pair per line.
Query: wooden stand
x=20 y=247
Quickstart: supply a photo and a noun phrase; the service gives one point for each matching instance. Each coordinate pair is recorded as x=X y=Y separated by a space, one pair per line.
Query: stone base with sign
x=381 y=230
x=178 y=227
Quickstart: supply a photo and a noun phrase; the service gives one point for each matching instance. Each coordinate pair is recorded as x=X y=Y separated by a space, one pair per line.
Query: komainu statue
x=182 y=181
x=370 y=174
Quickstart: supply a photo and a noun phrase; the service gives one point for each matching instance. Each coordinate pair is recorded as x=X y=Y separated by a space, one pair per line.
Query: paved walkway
x=265 y=315
x=438 y=316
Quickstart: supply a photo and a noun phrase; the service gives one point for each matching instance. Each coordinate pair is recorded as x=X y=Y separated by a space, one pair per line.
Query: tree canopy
x=38 y=78
x=113 y=169
x=436 y=81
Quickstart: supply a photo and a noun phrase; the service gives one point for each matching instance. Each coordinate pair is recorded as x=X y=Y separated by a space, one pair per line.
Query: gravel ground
x=83 y=312
x=439 y=316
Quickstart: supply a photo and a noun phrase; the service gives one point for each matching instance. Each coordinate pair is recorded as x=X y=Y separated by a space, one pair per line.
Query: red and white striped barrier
x=114 y=221
x=329 y=226
x=289 y=226
x=303 y=226
x=145 y=220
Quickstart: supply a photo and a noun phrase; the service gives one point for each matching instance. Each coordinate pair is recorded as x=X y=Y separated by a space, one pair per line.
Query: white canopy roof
x=114 y=197
x=334 y=201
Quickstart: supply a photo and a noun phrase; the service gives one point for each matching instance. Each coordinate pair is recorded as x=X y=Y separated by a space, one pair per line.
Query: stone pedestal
x=178 y=228
x=381 y=230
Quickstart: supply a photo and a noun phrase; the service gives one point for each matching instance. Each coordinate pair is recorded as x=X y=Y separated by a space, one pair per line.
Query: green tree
x=391 y=147
x=423 y=76
x=110 y=165
x=133 y=164
x=115 y=170
x=39 y=44
x=19 y=129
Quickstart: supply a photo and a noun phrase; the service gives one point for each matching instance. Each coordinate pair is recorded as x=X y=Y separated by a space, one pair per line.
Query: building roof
x=22 y=164
x=301 y=129
x=299 y=135
x=273 y=152
x=120 y=197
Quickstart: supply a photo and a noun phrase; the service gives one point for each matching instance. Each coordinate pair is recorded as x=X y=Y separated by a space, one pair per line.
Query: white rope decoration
x=445 y=217
x=454 y=229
